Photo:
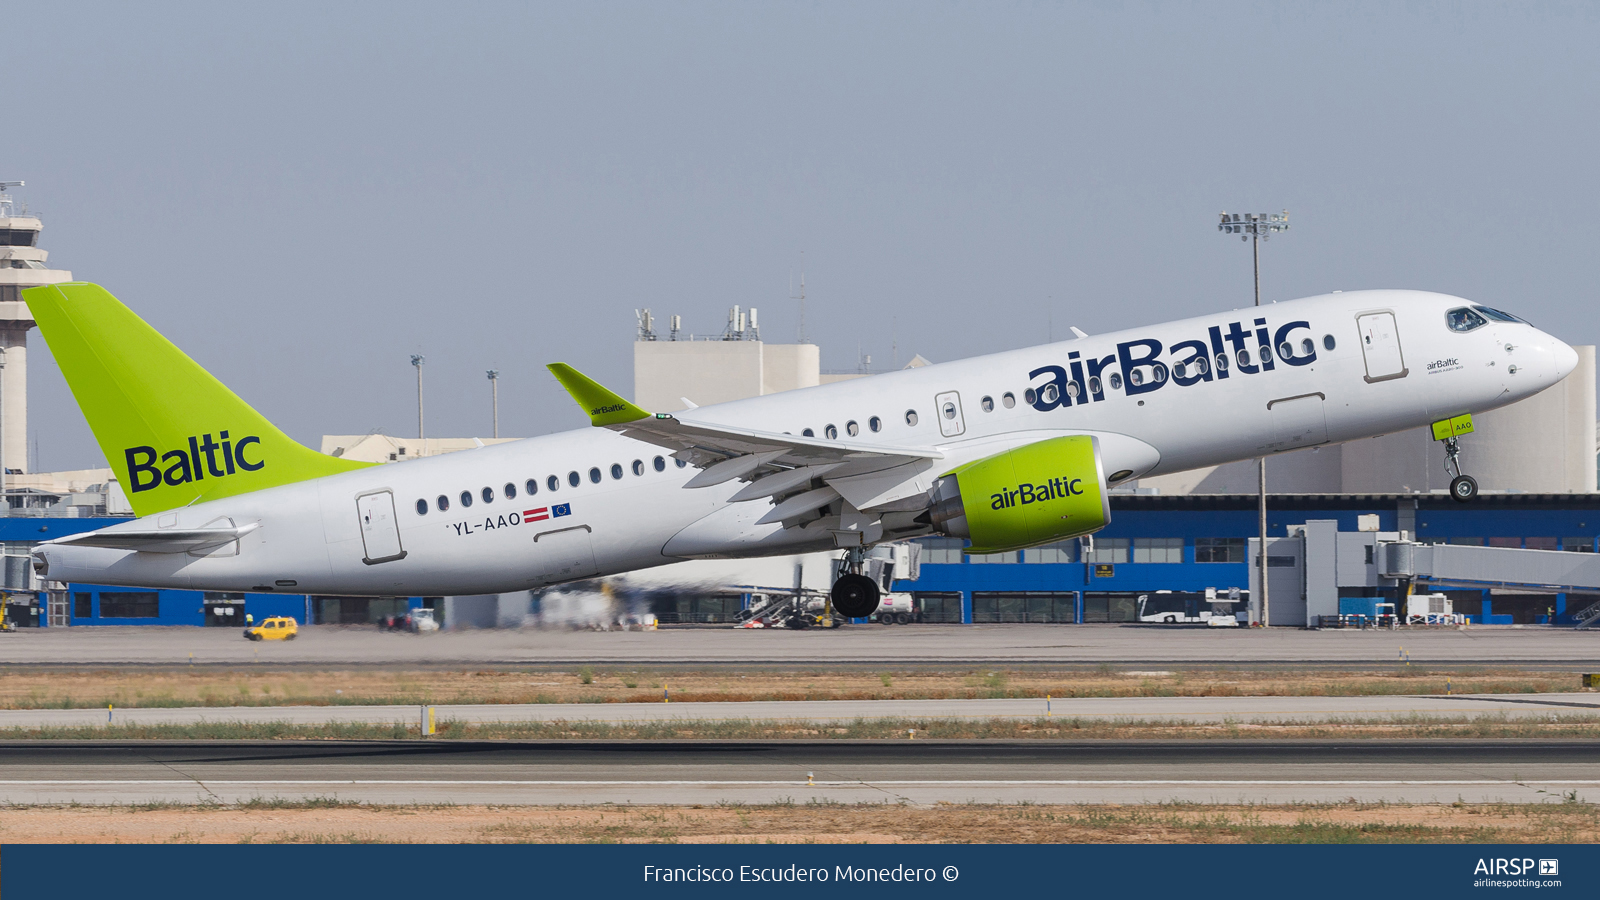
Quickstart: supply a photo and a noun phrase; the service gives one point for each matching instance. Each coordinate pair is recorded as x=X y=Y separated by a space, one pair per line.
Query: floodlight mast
x=1255 y=228
x=417 y=360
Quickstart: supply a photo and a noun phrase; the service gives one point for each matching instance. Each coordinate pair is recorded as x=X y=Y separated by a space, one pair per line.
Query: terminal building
x=1186 y=532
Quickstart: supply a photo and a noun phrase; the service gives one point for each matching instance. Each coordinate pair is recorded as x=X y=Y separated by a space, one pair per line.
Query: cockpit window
x=1464 y=319
x=1497 y=315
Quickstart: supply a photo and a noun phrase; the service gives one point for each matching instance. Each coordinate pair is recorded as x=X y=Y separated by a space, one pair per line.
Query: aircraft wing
x=165 y=540
x=777 y=465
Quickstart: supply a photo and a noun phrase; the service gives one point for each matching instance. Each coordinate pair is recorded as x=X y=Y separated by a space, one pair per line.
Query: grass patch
x=880 y=729
x=94 y=688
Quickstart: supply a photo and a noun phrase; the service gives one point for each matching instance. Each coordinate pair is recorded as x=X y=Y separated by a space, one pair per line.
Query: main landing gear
x=854 y=595
x=1462 y=487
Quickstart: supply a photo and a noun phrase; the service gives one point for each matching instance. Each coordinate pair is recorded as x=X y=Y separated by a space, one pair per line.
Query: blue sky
x=303 y=195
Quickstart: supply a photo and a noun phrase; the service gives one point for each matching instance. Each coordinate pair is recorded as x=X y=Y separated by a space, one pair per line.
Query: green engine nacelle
x=1032 y=495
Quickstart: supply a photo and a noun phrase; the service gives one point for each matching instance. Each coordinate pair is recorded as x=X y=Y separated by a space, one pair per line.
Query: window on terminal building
x=1578 y=544
x=1466 y=541
x=1158 y=550
x=942 y=551
x=1108 y=550
x=83 y=605
x=1059 y=552
x=1007 y=557
x=1542 y=543
x=1221 y=550
x=129 y=605
x=1505 y=542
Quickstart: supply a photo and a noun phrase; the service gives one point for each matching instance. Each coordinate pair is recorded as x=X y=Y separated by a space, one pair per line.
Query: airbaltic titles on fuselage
x=182 y=466
x=1224 y=353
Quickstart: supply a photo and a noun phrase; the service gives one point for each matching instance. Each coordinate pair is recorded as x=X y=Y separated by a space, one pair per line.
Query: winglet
x=603 y=406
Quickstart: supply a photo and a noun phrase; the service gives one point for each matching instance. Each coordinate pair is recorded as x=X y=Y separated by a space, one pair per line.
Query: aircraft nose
x=1566 y=358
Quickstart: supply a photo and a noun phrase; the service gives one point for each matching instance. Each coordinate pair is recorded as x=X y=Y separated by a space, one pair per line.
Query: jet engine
x=1034 y=494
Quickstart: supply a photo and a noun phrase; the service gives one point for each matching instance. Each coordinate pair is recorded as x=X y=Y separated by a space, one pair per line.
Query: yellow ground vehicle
x=277 y=628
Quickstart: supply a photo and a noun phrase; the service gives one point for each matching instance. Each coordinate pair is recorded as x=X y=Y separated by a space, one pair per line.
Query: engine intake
x=1038 y=493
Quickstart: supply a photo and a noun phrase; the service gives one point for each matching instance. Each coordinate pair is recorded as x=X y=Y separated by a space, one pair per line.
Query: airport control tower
x=22 y=265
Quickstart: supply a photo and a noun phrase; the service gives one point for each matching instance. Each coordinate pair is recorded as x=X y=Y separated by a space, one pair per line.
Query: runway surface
x=768 y=772
x=853 y=647
x=1164 y=709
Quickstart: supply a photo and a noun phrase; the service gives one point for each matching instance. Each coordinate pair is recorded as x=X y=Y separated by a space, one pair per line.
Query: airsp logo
x=182 y=466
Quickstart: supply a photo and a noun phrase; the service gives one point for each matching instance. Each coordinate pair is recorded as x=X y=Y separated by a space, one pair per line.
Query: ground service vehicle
x=275 y=628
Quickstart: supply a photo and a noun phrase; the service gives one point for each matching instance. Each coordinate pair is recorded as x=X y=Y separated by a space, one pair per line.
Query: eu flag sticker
x=561 y=509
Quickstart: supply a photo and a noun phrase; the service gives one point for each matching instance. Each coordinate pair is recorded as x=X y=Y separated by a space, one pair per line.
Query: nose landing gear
x=1462 y=487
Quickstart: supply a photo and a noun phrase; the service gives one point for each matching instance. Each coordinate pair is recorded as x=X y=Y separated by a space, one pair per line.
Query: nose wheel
x=1462 y=487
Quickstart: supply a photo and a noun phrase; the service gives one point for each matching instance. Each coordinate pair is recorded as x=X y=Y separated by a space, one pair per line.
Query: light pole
x=417 y=360
x=494 y=393
x=1255 y=228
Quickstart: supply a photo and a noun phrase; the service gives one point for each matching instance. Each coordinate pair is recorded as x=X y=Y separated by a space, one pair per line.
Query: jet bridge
x=1329 y=565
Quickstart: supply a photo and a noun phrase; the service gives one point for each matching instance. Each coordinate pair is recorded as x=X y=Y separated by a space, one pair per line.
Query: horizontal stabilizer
x=166 y=540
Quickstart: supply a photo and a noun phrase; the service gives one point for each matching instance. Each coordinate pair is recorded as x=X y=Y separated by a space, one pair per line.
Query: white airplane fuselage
x=1343 y=377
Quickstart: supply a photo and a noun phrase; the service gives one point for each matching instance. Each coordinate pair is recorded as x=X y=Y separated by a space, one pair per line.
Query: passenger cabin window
x=1328 y=343
x=875 y=423
x=443 y=503
x=638 y=467
x=987 y=403
x=1008 y=400
x=488 y=494
x=1464 y=319
x=532 y=487
x=574 y=479
x=1222 y=362
x=466 y=499
x=660 y=464
x=552 y=482
x=594 y=474
x=616 y=470
x=806 y=432
x=422 y=507
x=1116 y=381
x=831 y=432
x=911 y=417
x=510 y=490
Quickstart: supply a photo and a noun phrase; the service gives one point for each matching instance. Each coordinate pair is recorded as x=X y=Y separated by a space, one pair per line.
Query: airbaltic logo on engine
x=1026 y=493
x=183 y=466
x=1138 y=367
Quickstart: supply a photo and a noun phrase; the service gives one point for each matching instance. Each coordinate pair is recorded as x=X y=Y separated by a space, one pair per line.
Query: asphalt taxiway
x=852 y=647
x=785 y=771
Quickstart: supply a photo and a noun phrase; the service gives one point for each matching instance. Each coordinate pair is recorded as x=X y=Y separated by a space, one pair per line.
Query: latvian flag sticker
x=546 y=512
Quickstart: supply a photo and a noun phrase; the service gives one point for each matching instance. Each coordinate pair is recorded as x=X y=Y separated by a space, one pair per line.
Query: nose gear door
x=380 y=533
x=948 y=408
x=1380 y=346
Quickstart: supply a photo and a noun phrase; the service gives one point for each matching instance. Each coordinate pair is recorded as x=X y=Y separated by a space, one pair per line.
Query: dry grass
x=246 y=687
x=339 y=822
x=1585 y=727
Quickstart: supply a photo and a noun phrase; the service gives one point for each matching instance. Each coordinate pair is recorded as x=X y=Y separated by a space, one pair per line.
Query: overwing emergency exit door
x=1380 y=346
x=380 y=533
x=947 y=407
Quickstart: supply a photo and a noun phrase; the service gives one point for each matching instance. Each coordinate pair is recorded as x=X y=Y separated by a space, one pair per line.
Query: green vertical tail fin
x=172 y=433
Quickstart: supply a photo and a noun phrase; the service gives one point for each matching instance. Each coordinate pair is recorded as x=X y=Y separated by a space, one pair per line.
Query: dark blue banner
x=93 y=872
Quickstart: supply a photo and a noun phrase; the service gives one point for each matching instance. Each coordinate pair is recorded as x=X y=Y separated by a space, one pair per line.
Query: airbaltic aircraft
x=1007 y=450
